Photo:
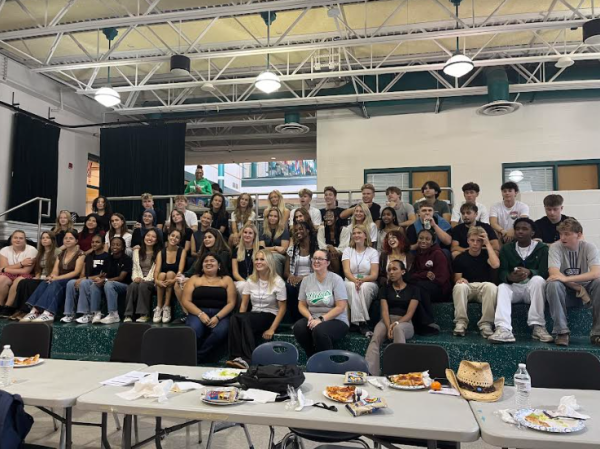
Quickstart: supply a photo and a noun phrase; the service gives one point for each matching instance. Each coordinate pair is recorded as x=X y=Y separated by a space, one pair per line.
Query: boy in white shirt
x=504 y=214
x=305 y=199
x=181 y=203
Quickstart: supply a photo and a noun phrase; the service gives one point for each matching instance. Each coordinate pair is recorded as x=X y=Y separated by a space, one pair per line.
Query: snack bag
x=366 y=406
x=221 y=395
x=355 y=378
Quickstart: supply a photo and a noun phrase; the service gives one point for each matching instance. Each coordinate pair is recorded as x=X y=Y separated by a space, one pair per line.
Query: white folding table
x=411 y=414
x=496 y=432
x=58 y=384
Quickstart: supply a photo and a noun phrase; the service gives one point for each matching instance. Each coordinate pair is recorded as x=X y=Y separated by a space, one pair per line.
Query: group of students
x=325 y=268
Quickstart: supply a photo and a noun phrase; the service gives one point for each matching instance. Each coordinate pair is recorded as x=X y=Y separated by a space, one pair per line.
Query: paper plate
x=538 y=420
x=362 y=394
x=222 y=374
x=39 y=361
x=218 y=402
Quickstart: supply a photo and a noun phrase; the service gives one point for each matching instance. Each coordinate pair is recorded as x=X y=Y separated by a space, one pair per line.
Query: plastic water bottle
x=7 y=362
x=522 y=382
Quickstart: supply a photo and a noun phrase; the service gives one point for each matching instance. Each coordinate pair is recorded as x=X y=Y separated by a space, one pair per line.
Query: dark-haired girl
x=149 y=221
x=90 y=229
x=101 y=207
x=51 y=293
x=209 y=297
x=328 y=238
x=220 y=216
x=178 y=222
x=170 y=262
x=297 y=263
x=118 y=228
x=389 y=222
x=140 y=291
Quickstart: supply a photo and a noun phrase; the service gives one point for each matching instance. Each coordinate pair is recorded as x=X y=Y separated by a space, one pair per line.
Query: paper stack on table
x=126 y=379
x=259 y=396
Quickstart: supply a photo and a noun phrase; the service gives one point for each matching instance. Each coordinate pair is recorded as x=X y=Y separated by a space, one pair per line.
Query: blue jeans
x=90 y=297
x=84 y=297
x=49 y=296
x=112 y=289
x=208 y=338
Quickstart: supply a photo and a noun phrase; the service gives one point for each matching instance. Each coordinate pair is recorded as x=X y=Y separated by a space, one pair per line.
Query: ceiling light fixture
x=107 y=96
x=459 y=64
x=516 y=176
x=268 y=81
x=564 y=62
x=180 y=65
x=591 y=32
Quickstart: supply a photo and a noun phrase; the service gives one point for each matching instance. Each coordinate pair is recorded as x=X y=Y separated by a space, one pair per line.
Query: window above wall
x=554 y=175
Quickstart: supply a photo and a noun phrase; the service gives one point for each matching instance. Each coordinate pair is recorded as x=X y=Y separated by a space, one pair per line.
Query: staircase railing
x=41 y=215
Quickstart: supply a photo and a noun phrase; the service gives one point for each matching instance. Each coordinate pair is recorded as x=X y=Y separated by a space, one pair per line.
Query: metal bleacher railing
x=40 y=213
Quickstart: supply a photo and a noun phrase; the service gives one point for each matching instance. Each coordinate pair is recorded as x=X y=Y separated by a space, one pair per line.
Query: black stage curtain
x=34 y=167
x=139 y=159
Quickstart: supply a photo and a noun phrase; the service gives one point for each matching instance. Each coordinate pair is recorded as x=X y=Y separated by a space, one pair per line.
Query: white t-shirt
x=191 y=218
x=315 y=216
x=507 y=216
x=126 y=237
x=346 y=234
x=360 y=263
x=234 y=221
x=482 y=213
x=261 y=299
x=301 y=265
x=15 y=258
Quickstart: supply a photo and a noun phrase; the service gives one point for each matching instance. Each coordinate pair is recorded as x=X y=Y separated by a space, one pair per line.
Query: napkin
x=446 y=391
x=259 y=396
x=148 y=387
x=303 y=402
x=567 y=409
x=506 y=415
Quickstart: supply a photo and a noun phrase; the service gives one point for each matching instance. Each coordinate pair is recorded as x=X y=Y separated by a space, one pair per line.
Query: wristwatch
x=321 y=318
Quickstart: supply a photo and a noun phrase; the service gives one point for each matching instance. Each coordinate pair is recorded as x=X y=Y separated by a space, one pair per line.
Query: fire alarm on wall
x=70 y=166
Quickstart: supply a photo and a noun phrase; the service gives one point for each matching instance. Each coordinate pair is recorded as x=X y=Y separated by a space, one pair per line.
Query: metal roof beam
x=263 y=136
x=243 y=8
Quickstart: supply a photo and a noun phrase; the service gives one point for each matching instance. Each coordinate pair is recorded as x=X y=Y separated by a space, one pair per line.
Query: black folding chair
x=575 y=370
x=401 y=358
x=28 y=339
x=169 y=346
x=127 y=346
x=275 y=353
x=332 y=362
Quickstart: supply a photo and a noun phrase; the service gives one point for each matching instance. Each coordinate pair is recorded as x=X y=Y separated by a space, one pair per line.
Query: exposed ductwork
x=292 y=125
x=498 y=94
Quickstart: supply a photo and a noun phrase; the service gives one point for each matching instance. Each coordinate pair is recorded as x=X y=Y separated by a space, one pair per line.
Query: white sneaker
x=45 y=317
x=128 y=319
x=157 y=315
x=143 y=319
x=67 y=319
x=31 y=316
x=112 y=317
x=84 y=319
x=97 y=317
x=501 y=335
x=166 y=315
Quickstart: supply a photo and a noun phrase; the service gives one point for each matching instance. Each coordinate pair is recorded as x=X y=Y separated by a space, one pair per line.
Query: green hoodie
x=537 y=262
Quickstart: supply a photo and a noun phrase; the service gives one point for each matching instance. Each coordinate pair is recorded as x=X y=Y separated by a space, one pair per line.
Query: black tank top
x=174 y=267
x=206 y=297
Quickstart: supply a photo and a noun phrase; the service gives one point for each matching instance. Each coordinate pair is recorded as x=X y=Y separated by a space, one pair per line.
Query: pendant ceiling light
x=591 y=32
x=268 y=81
x=180 y=64
x=107 y=96
x=459 y=64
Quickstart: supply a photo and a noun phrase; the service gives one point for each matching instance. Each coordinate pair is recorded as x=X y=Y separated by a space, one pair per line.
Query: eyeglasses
x=319 y=259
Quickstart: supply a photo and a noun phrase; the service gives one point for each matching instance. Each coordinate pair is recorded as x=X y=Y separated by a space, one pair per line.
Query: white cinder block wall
x=584 y=205
x=473 y=146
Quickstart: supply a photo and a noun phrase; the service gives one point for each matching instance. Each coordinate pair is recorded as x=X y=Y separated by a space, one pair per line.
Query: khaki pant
x=402 y=332
x=482 y=292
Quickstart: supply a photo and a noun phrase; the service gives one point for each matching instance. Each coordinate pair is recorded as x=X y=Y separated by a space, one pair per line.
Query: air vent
x=498 y=94
x=500 y=107
x=292 y=125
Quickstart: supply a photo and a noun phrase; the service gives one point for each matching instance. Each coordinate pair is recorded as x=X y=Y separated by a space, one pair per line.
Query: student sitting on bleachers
x=473 y=279
x=178 y=222
x=470 y=192
x=427 y=217
x=546 y=226
x=430 y=269
x=504 y=213
x=328 y=238
x=220 y=216
x=141 y=290
x=95 y=265
x=240 y=217
x=361 y=216
x=361 y=269
x=394 y=247
x=116 y=280
x=523 y=270
x=276 y=200
x=389 y=222
x=51 y=293
x=148 y=221
x=265 y=293
x=90 y=229
x=431 y=191
x=198 y=237
x=574 y=279
x=170 y=262
x=191 y=219
x=242 y=265
x=275 y=237
x=297 y=263
x=118 y=228
x=16 y=261
x=460 y=243
x=306 y=196
x=209 y=297
x=399 y=302
x=148 y=204
x=63 y=224
x=101 y=207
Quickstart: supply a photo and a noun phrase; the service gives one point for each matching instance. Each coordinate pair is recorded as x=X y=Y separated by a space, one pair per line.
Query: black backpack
x=275 y=378
x=15 y=422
